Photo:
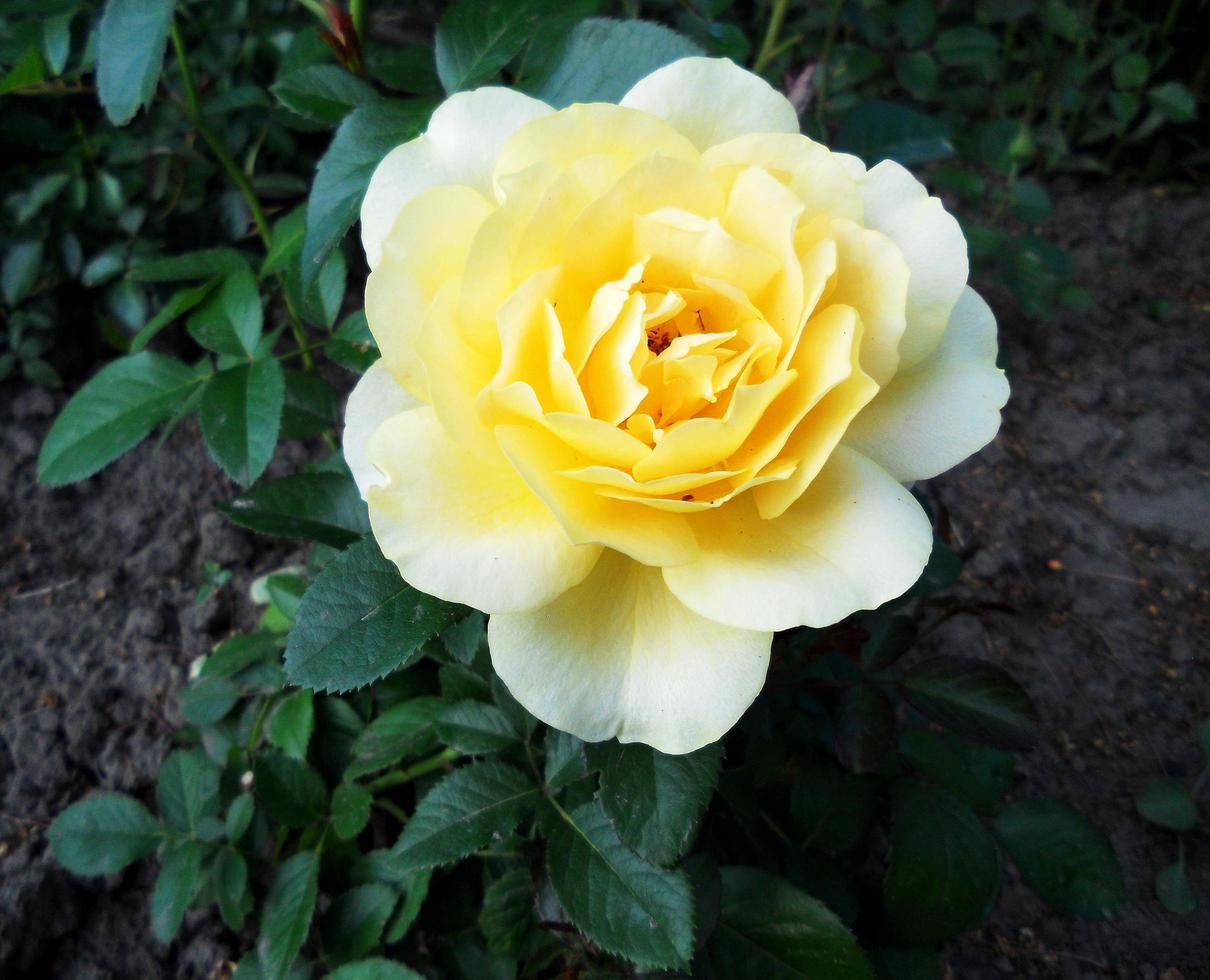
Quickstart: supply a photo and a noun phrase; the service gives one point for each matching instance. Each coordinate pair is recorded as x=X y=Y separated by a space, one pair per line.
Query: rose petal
x=711 y=100
x=460 y=146
x=620 y=655
x=933 y=246
x=943 y=410
x=374 y=399
x=854 y=540
x=463 y=526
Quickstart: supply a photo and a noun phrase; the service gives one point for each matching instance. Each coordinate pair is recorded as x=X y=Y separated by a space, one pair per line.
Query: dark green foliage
x=353 y=787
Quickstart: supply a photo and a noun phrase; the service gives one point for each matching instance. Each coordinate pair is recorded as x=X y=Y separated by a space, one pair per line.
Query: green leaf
x=208 y=699
x=973 y=698
x=509 y=912
x=476 y=38
x=865 y=728
x=352 y=346
x=56 y=41
x=879 y=130
x=565 y=760
x=187 y=790
x=977 y=774
x=322 y=302
x=1030 y=200
x=1173 y=890
x=239 y=816
x=1168 y=803
x=604 y=58
x=475 y=727
x=944 y=866
x=19 y=274
x=917 y=72
x=350 y=810
x=241 y=415
x=312 y=405
x=1174 y=101
x=915 y=20
x=230 y=321
x=1130 y=71
x=375 y=968
x=463 y=638
x=112 y=413
x=206 y=263
x=292 y=722
x=416 y=888
x=621 y=902
x=352 y=926
x=364 y=137
x=29 y=70
x=239 y=652
x=464 y=812
x=324 y=507
x=286 y=918
x=131 y=37
x=655 y=800
x=291 y=792
x=967 y=46
x=770 y=930
x=359 y=621
x=103 y=834
x=322 y=93
x=180 y=302
x=176 y=885
x=229 y=872
x=1063 y=857
x=832 y=809
x=403 y=730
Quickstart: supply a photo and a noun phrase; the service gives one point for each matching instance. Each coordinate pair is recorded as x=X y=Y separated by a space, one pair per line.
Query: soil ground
x=1089 y=517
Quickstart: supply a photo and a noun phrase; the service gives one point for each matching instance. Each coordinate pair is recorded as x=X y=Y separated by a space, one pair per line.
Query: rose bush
x=655 y=379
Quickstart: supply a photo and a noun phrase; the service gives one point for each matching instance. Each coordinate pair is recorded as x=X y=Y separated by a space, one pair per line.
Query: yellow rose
x=653 y=378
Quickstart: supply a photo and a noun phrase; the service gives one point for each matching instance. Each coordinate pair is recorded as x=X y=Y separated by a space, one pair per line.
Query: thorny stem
x=193 y=110
x=358 y=13
x=421 y=768
x=769 y=46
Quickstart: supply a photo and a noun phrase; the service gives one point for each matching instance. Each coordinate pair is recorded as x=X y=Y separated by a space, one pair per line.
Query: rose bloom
x=653 y=379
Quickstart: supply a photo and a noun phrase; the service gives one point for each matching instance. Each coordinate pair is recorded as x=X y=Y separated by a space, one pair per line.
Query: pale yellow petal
x=711 y=100
x=459 y=147
x=462 y=525
x=620 y=656
x=425 y=251
x=941 y=411
x=933 y=246
x=373 y=400
x=854 y=540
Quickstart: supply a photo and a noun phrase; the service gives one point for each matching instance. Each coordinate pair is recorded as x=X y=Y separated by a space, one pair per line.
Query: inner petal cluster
x=644 y=330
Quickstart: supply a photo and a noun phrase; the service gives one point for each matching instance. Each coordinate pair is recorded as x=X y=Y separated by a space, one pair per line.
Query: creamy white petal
x=620 y=655
x=946 y=408
x=711 y=100
x=854 y=540
x=933 y=246
x=462 y=525
x=460 y=146
x=373 y=400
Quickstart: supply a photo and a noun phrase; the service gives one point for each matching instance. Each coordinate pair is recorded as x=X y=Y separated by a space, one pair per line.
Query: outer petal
x=853 y=540
x=464 y=527
x=933 y=246
x=459 y=147
x=374 y=399
x=932 y=417
x=711 y=100
x=620 y=655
